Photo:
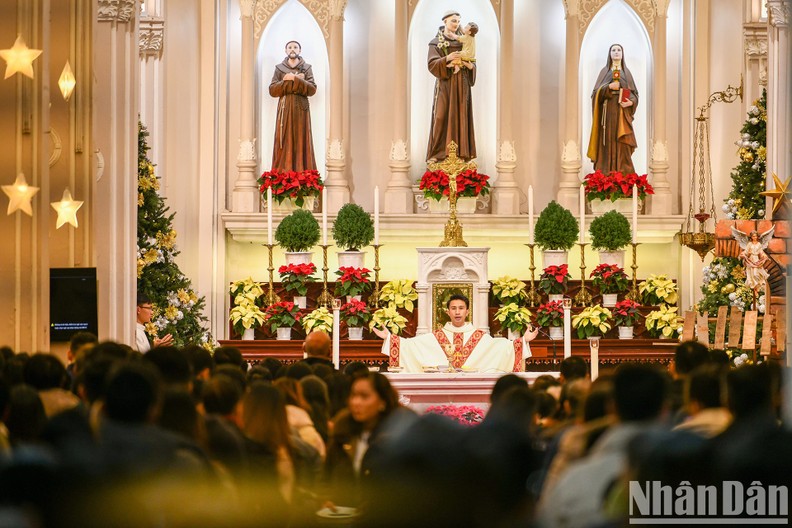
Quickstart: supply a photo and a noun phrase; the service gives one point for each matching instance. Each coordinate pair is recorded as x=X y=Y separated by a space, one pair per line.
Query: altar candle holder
x=325 y=299
x=633 y=294
x=533 y=295
x=373 y=300
x=583 y=298
x=272 y=298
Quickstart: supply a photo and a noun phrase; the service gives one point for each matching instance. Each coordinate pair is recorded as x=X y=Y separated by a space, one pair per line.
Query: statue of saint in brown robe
x=293 y=83
x=612 y=140
x=452 y=107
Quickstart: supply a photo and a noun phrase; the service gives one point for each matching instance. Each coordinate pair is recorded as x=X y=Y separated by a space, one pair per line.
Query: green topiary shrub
x=556 y=228
x=353 y=228
x=298 y=232
x=610 y=232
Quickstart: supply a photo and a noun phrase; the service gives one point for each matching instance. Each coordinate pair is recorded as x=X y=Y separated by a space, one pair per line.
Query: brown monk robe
x=293 y=149
x=612 y=140
x=452 y=108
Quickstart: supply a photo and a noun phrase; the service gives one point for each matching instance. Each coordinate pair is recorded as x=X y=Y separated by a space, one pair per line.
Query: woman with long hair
x=297 y=414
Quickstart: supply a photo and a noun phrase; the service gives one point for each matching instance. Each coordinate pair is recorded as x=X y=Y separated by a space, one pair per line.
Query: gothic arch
x=412 y=4
x=322 y=10
x=647 y=11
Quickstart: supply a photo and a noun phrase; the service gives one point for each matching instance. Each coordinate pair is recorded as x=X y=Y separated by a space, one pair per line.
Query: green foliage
x=177 y=309
x=353 y=228
x=556 y=228
x=610 y=232
x=723 y=284
x=592 y=322
x=748 y=177
x=298 y=232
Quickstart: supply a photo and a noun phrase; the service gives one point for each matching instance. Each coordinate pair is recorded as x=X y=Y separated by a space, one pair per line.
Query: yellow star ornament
x=19 y=195
x=780 y=194
x=19 y=58
x=66 y=209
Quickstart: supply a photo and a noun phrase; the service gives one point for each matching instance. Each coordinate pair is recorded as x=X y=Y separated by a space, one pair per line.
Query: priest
x=458 y=344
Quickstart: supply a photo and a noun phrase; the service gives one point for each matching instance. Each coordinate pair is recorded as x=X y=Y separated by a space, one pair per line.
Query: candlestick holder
x=373 y=300
x=533 y=295
x=633 y=294
x=583 y=297
x=325 y=299
x=272 y=298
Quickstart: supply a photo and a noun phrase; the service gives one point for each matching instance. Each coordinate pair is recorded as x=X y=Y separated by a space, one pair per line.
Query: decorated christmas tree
x=748 y=177
x=177 y=309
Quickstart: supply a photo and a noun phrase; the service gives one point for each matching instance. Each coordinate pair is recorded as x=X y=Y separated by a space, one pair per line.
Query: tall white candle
x=635 y=214
x=376 y=215
x=582 y=214
x=324 y=216
x=336 y=335
x=269 y=215
x=530 y=215
x=567 y=331
x=594 y=348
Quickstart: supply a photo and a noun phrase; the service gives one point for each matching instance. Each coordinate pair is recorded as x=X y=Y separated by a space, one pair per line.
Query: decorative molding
x=399 y=151
x=320 y=9
x=335 y=150
x=337 y=8
x=246 y=8
x=247 y=150
x=115 y=10
x=778 y=13
x=647 y=11
x=570 y=8
x=756 y=46
x=660 y=151
x=506 y=152
x=151 y=36
x=454 y=271
x=57 y=147
x=570 y=152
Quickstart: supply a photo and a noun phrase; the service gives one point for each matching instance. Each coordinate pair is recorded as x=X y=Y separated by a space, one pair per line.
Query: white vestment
x=457 y=346
x=141 y=340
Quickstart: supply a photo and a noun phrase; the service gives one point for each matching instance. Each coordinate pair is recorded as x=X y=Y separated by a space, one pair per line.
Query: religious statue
x=753 y=257
x=293 y=83
x=455 y=75
x=614 y=100
x=458 y=344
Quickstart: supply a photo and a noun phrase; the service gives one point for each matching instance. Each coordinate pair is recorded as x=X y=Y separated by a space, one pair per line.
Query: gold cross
x=453 y=166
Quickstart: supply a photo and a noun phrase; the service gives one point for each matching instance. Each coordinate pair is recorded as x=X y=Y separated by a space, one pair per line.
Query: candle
x=582 y=214
x=324 y=217
x=567 y=327
x=594 y=348
x=336 y=333
x=635 y=215
x=530 y=215
x=269 y=215
x=376 y=215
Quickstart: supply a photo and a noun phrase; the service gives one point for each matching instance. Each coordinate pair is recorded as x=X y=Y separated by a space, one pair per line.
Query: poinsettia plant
x=469 y=415
x=592 y=321
x=625 y=313
x=554 y=279
x=282 y=315
x=664 y=322
x=352 y=281
x=470 y=183
x=550 y=314
x=609 y=278
x=399 y=294
x=291 y=184
x=658 y=290
x=513 y=317
x=295 y=277
x=508 y=290
x=355 y=313
x=319 y=319
x=388 y=318
x=615 y=185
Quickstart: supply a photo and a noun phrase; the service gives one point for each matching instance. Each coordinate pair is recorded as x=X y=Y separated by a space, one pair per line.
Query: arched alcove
x=425 y=21
x=616 y=22
x=292 y=21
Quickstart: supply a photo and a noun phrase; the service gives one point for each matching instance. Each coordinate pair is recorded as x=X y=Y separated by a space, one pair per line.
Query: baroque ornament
x=115 y=10
x=399 y=151
x=320 y=9
x=150 y=40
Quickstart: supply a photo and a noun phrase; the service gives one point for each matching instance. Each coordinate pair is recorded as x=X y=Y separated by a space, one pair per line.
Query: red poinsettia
x=282 y=314
x=295 y=277
x=352 y=281
x=435 y=184
x=468 y=415
x=291 y=184
x=550 y=314
x=625 y=313
x=355 y=313
x=609 y=278
x=615 y=185
x=554 y=279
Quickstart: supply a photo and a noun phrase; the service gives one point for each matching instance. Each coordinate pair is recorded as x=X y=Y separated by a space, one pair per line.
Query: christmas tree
x=748 y=177
x=177 y=309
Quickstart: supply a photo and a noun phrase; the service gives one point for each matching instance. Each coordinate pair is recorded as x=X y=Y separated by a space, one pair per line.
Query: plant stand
x=271 y=297
x=325 y=299
x=633 y=294
x=583 y=298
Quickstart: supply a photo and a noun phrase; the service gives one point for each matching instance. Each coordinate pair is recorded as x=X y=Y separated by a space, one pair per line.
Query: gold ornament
x=780 y=194
x=749 y=157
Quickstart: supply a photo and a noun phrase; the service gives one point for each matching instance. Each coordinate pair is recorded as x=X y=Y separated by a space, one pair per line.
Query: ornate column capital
x=247 y=150
x=151 y=36
x=247 y=8
x=116 y=10
x=337 y=8
x=778 y=13
x=399 y=151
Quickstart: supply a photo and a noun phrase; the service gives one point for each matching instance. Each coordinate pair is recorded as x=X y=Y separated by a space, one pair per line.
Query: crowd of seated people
x=185 y=437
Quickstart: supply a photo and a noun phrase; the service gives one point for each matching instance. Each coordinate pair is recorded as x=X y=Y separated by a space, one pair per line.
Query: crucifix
x=452 y=166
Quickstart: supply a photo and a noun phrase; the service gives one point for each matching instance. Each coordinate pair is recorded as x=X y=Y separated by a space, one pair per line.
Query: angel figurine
x=753 y=256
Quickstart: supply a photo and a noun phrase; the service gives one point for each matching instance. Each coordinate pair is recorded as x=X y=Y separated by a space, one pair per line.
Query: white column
x=399 y=196
x=779 y=150
x=336 y=184
x=570 y=158
x=662 y=201
x=245 y=197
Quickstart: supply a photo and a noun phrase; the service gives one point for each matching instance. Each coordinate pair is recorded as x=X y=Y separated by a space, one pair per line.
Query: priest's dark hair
x=458 y=297
x=298 y=44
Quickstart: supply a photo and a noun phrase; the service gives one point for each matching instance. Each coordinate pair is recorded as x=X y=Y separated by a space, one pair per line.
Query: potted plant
x=514 y=318
x=610 y=280
x=554 y=281
x=614 y=190
x=592 y=321
x=610 y=233
x=551 y=315
x=246 y=315
x=352 y=282
x=297 y=188
x=356 y=315
x=295 y=279
x=556 y=231
x=399 y=294
x=389 y=319
x=319 y=319
x=508 y=290
x=281 y=317
x=296 y=234
x=658 y=290
x=625 y=315
x=470 y=184
x=664 y=322
x=353 y=229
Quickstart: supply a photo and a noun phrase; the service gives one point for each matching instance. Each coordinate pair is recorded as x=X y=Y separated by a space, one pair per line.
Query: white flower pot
x=356 y=333
x=553 y=297
x=622 y=205
x=284 y=333
x=351 y=259
x=554 y=257
x=300 y=301
x=249 y=334
x=609 y=300
x=625 y=332
x=556 y=333
x=612 y=257
x=288 y=205
x=298 y=257
x=356 y=297
x=513 y=335
x=465 y=205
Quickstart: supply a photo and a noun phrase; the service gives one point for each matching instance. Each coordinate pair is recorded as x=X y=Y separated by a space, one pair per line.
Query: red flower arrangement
x=355 y=313
x=291 y=184
x=625 y=313
x=295 y=277
x=550 y=314
x=615 y=185
x=282 y=315
x=352 y=281
x=609 y=278
x=435 y=184
x=468 y=415
x=554 y=279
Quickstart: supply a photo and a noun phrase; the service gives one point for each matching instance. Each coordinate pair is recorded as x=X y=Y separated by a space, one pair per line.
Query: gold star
x=19 y=58
x=66 y=209
x=780 y=194
x=19 y=195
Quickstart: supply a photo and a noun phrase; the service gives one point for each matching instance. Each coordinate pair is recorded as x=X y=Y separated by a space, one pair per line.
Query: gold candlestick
x=272 y=298
x=633 y=294
x=533 y=295
x=325 y=299
x=583 y=298
x=373 y=301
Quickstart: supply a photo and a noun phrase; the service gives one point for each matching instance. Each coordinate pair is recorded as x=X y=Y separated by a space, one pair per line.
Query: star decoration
x=66 y=209
x=780 y=194
x=19 y=58
x=19 y=195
